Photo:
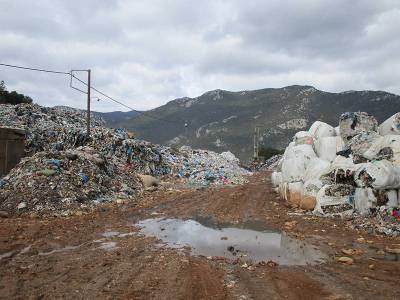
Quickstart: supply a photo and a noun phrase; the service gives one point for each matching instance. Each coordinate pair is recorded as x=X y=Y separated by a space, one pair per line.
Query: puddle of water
x=231 y=242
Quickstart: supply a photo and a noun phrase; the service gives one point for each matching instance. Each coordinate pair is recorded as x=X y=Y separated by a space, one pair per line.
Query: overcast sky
x=146 y=53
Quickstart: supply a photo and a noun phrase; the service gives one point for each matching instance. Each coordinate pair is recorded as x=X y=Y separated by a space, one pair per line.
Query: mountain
x=221 y=120
x=115 y=118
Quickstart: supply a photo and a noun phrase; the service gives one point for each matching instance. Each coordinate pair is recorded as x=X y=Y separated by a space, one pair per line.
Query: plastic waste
x=391 y=126
x=320 y=129
x=378 y=175
x=353 y=123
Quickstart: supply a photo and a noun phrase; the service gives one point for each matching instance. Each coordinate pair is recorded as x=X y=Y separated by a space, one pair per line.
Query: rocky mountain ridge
x=222 y=120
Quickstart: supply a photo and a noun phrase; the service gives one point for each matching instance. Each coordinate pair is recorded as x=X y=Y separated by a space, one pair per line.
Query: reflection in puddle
x=232 y=242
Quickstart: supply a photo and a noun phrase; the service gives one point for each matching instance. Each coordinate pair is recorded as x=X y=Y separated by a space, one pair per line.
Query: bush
x=13 y=97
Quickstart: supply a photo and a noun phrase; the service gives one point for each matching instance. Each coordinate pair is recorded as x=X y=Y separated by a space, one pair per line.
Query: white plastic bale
x=312 y=187
x=306 y=151
x=379 y=175
x=391 y=126
x=288 y=149
x=303 y=138
x=296 y=161
x=377 y=149
x=342 y=163
x=316 y=168
x=353 y=123
x=324 y=200
x=293 y=169
x=320 y=129
x=361 y=142
x=327 y=147
x=364 y=199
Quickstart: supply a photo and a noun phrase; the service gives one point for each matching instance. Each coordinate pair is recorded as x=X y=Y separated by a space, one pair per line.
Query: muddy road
x=246 y=245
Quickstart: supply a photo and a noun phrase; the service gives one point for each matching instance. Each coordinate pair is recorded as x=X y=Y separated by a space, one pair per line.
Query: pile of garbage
x=64 y=168
x=267 y=165
x=350 y=170
x=202 y=166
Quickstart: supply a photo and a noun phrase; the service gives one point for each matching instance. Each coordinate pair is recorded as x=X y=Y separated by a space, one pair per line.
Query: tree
x=2 y=87
x=12 y=97
x=267 y=152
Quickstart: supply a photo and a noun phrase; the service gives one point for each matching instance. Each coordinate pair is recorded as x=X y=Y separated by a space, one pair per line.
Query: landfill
x=64 y=169
x=350 y=171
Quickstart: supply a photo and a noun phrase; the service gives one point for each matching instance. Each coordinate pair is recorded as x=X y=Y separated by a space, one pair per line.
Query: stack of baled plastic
x=354 y=167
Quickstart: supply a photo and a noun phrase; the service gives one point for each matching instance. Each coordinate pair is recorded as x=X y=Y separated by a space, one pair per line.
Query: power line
x=120 y=103
x=34 y=69
x=93 y=88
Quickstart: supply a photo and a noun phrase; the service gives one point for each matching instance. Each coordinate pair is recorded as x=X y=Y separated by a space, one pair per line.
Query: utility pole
x=88 y=106
x=256 y=142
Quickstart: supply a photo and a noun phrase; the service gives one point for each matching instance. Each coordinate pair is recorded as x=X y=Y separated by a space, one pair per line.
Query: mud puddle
x=232 y=242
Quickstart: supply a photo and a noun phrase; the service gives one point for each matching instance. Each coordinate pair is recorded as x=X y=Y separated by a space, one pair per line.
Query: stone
x=22 y=205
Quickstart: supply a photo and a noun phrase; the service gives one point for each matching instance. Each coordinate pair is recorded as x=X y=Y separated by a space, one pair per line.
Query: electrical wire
x=34 y=69
x=91 y=87
x=120 y=103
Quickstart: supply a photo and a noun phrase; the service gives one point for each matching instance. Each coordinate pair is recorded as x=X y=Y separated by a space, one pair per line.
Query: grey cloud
x=148 y=52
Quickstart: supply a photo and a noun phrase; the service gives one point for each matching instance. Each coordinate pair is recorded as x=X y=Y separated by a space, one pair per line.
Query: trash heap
x=350 y=170
x=202 y=166
x=65 y=169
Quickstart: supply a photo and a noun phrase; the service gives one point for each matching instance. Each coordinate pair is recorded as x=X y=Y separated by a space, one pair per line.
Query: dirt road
x=102 y=255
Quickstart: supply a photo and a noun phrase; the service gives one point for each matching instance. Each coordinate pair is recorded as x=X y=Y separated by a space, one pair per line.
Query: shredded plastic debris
x=64 y=169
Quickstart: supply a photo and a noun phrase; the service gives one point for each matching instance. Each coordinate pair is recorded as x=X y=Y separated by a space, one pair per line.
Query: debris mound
x=65 y=169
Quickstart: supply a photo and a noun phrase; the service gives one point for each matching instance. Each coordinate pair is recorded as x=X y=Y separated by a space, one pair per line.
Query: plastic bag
x=364 y=199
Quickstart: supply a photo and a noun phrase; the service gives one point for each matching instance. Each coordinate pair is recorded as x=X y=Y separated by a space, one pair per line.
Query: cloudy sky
x=146 y=53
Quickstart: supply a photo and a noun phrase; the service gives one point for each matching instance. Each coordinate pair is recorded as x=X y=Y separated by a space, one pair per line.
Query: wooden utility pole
x=256 y=144
x=88 y=106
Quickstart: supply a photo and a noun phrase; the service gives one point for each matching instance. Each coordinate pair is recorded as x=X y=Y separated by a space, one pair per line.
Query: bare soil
x=69 y=258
